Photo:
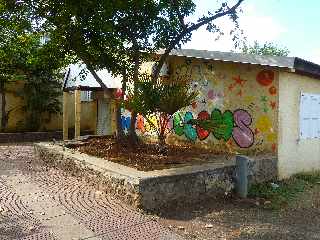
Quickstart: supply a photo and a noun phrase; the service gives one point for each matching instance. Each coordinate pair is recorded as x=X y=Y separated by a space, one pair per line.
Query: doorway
x=104 y=117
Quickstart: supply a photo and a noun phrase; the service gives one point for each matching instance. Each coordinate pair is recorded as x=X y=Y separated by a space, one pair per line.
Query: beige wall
x=294 y=154
x=88 y=115
x=17 y=116
x=14 y=104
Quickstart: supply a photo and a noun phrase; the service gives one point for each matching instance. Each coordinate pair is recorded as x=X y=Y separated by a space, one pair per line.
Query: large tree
x=119 y=35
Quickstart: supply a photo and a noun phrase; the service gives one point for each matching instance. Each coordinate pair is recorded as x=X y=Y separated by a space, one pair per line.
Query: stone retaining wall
x=154 y=190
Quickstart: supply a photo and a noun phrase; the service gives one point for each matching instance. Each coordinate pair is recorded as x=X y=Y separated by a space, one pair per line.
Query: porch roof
x=78 y=77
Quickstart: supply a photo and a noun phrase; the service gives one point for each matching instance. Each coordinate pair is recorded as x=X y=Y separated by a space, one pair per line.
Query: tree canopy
x=118 y=34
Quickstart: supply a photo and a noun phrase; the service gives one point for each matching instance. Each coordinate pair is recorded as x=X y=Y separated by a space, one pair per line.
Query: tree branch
x=95 y=75
x=188 y=30
x=180 y=17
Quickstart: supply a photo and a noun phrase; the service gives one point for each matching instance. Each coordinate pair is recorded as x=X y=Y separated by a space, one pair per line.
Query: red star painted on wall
x=273 y=105
x=229 y=142
x=231 y=86
x=239 y=81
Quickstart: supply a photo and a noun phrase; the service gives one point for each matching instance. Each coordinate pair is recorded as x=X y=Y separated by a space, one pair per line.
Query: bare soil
x=230 y=218
x=147 y=156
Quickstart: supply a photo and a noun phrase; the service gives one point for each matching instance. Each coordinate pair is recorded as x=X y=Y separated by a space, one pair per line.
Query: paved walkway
x=41 y=203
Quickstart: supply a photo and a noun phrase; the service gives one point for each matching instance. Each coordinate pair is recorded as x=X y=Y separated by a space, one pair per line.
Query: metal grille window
x=309 y=116
x=86 y=96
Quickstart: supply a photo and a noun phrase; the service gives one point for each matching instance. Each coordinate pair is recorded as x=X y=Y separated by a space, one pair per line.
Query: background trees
x=267 y=48
x=24 y=55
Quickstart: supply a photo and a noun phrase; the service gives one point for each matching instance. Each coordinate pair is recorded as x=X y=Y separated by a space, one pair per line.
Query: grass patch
x=281 y=193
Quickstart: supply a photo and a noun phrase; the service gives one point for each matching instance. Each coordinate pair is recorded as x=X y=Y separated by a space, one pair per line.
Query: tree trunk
x=163 y=124
x=132 y=132
x=163 y=147
x=162 y=139
x=4 y=119
x=120 y=132
x=119 y=122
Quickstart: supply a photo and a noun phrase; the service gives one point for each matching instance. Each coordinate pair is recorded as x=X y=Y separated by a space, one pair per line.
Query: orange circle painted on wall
x=273 y=90
x=265 y=77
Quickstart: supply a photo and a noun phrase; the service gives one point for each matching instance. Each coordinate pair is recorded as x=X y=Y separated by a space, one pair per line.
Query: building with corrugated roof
x=264 y=106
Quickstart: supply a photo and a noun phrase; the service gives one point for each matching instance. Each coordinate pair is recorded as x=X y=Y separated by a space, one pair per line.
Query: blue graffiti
x=125 y=122
x=189 y=131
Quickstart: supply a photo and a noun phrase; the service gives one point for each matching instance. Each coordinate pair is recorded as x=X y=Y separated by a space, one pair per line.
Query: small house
x=93 y=107
x=265 y=105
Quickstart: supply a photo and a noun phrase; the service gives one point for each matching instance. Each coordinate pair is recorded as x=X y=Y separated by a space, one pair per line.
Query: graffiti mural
x=236 y=104
x=221 y=125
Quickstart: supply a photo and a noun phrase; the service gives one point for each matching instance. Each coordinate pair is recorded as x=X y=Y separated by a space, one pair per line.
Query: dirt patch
x=148 y=156
x=235 y=219
x=231 y=218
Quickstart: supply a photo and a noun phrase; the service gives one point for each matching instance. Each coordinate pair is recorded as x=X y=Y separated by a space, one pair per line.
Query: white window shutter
x=309 y=116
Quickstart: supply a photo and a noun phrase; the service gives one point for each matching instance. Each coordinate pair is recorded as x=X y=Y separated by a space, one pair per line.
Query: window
x=309 y=116
x=86 y=96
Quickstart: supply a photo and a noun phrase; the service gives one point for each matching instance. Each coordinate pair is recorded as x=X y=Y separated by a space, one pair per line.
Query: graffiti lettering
x=189 y=131
x=223 y=124
x=178 y=124
x=202 y=133
x=125 y=122
x=242 y=134
x=140 y=123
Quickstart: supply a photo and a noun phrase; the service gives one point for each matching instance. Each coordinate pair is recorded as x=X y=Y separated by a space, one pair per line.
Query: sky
x=294 y=24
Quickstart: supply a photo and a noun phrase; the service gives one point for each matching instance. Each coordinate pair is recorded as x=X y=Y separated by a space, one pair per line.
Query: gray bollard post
x=242 y=176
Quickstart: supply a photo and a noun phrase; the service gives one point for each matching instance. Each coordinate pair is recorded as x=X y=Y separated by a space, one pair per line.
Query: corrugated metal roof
x=74 y=79
x=273 y=61
x=296 y=64
x=300 y=66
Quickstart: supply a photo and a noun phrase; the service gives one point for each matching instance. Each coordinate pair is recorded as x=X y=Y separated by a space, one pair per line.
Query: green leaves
x=267 y=48
x=150 y=97
x=25 y=57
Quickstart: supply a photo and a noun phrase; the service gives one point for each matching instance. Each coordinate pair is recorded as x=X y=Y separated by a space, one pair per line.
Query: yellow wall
x=244 y=94
x=88 y=116
x=17 y=117
x=14 y=104
x=294 y=154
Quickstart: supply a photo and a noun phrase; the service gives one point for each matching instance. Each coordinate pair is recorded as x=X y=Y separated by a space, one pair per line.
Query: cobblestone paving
x=37 y=202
